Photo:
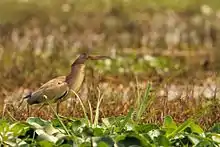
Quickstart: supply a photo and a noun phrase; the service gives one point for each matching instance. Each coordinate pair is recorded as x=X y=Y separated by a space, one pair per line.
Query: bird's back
x=53 y=90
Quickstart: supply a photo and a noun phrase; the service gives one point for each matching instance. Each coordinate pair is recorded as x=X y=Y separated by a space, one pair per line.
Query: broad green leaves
x=114 y=131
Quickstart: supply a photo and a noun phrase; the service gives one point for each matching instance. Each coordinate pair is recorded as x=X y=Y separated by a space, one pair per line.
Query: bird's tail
x=27 y=96
x=23 y=98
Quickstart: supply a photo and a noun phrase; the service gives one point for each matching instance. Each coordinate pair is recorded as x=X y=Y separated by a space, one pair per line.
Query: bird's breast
x=77 y=78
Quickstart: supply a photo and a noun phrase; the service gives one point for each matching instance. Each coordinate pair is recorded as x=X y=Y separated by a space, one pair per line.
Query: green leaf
x=216 y=138
x=98 y=131
x=169 y=125
x=85 y=144
x=37 y=122
x=44 y=136
x=4 y=125
x=196 y=128
x=215 y=128
x=66 y=145
x=104 y=139
x=66 y=140
x=181 y=128
x=145 y=128
x=45 y=143
x=162 y=141
x=126 y=119
x=19 y=128
x=102 y=144
x=193 y=139
x=132 y=139
x=50 y=130
x=206 y=143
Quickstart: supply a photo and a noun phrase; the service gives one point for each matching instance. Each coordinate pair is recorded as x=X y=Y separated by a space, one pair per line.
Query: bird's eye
x=59 y=83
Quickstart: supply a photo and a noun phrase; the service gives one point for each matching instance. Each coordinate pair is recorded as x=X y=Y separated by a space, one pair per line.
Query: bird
x=58 y=89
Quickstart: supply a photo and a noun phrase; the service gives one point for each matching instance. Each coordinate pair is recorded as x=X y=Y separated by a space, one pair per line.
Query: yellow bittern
x=57 y=89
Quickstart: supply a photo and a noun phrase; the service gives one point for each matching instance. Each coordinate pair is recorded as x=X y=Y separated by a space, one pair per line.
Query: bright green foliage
x=115 y=130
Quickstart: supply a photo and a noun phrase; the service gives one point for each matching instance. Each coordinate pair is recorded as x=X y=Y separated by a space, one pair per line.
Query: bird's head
x=82 y=58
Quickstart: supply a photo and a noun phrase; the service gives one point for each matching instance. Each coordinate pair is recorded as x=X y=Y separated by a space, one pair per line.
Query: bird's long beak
x=91 y=57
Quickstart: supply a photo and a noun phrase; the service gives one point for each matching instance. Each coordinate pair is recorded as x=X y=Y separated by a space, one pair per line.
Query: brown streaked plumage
x=58 y=88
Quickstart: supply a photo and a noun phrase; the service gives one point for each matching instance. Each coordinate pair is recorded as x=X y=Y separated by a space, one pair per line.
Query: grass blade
x=100 y=98
x=144 y=102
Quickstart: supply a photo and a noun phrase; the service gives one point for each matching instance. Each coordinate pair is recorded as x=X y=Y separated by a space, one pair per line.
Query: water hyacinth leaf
x=193 y=139
x=44 y=136
x=66 y=145
x=9 y=143
x=215 y=128
x=181 y=128
x=13 y=142
x=77 y=124
x=4 y=125
x=132 y=140
x=85 y=144
x=65 y=141
x=106 y=122
x=98 y=131
x=37 y=122
x=126 y=119
x=111 y=122
x=154 y=133
x=45 y=143
x=119 y=137
x=169 y=123
x=180 y=140
x=162 y=141
x=196 y=128
x=19 y=128
x=216 y=138
x=145 y=128
x=22 y=144
x=50 y=130
x=102 y=144
x=87 y=132
x=105 y=139
x=129 y=141
x=206 y=143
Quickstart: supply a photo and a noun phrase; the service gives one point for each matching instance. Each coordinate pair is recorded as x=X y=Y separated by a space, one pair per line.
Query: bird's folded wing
x=57 y=92
x=53 y=92
x=54 y=82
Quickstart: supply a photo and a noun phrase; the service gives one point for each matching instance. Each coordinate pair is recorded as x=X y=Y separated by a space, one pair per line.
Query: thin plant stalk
x=82 y=105
x=58 y=117
x=90 y=109
x=137 y=91
x=100 y=98
x=11 y=116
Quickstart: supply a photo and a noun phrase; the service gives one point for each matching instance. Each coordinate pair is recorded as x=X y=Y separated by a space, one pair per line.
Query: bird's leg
x=39 y=108
x=72 y=108
x=3 y=111
x=28 y=110
x=58 y=106
x=21 y=102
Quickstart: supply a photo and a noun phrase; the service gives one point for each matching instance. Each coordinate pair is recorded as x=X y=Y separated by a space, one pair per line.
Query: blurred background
x=172 y=44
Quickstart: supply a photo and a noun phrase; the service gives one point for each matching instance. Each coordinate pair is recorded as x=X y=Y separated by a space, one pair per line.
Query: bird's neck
x=76 y=74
